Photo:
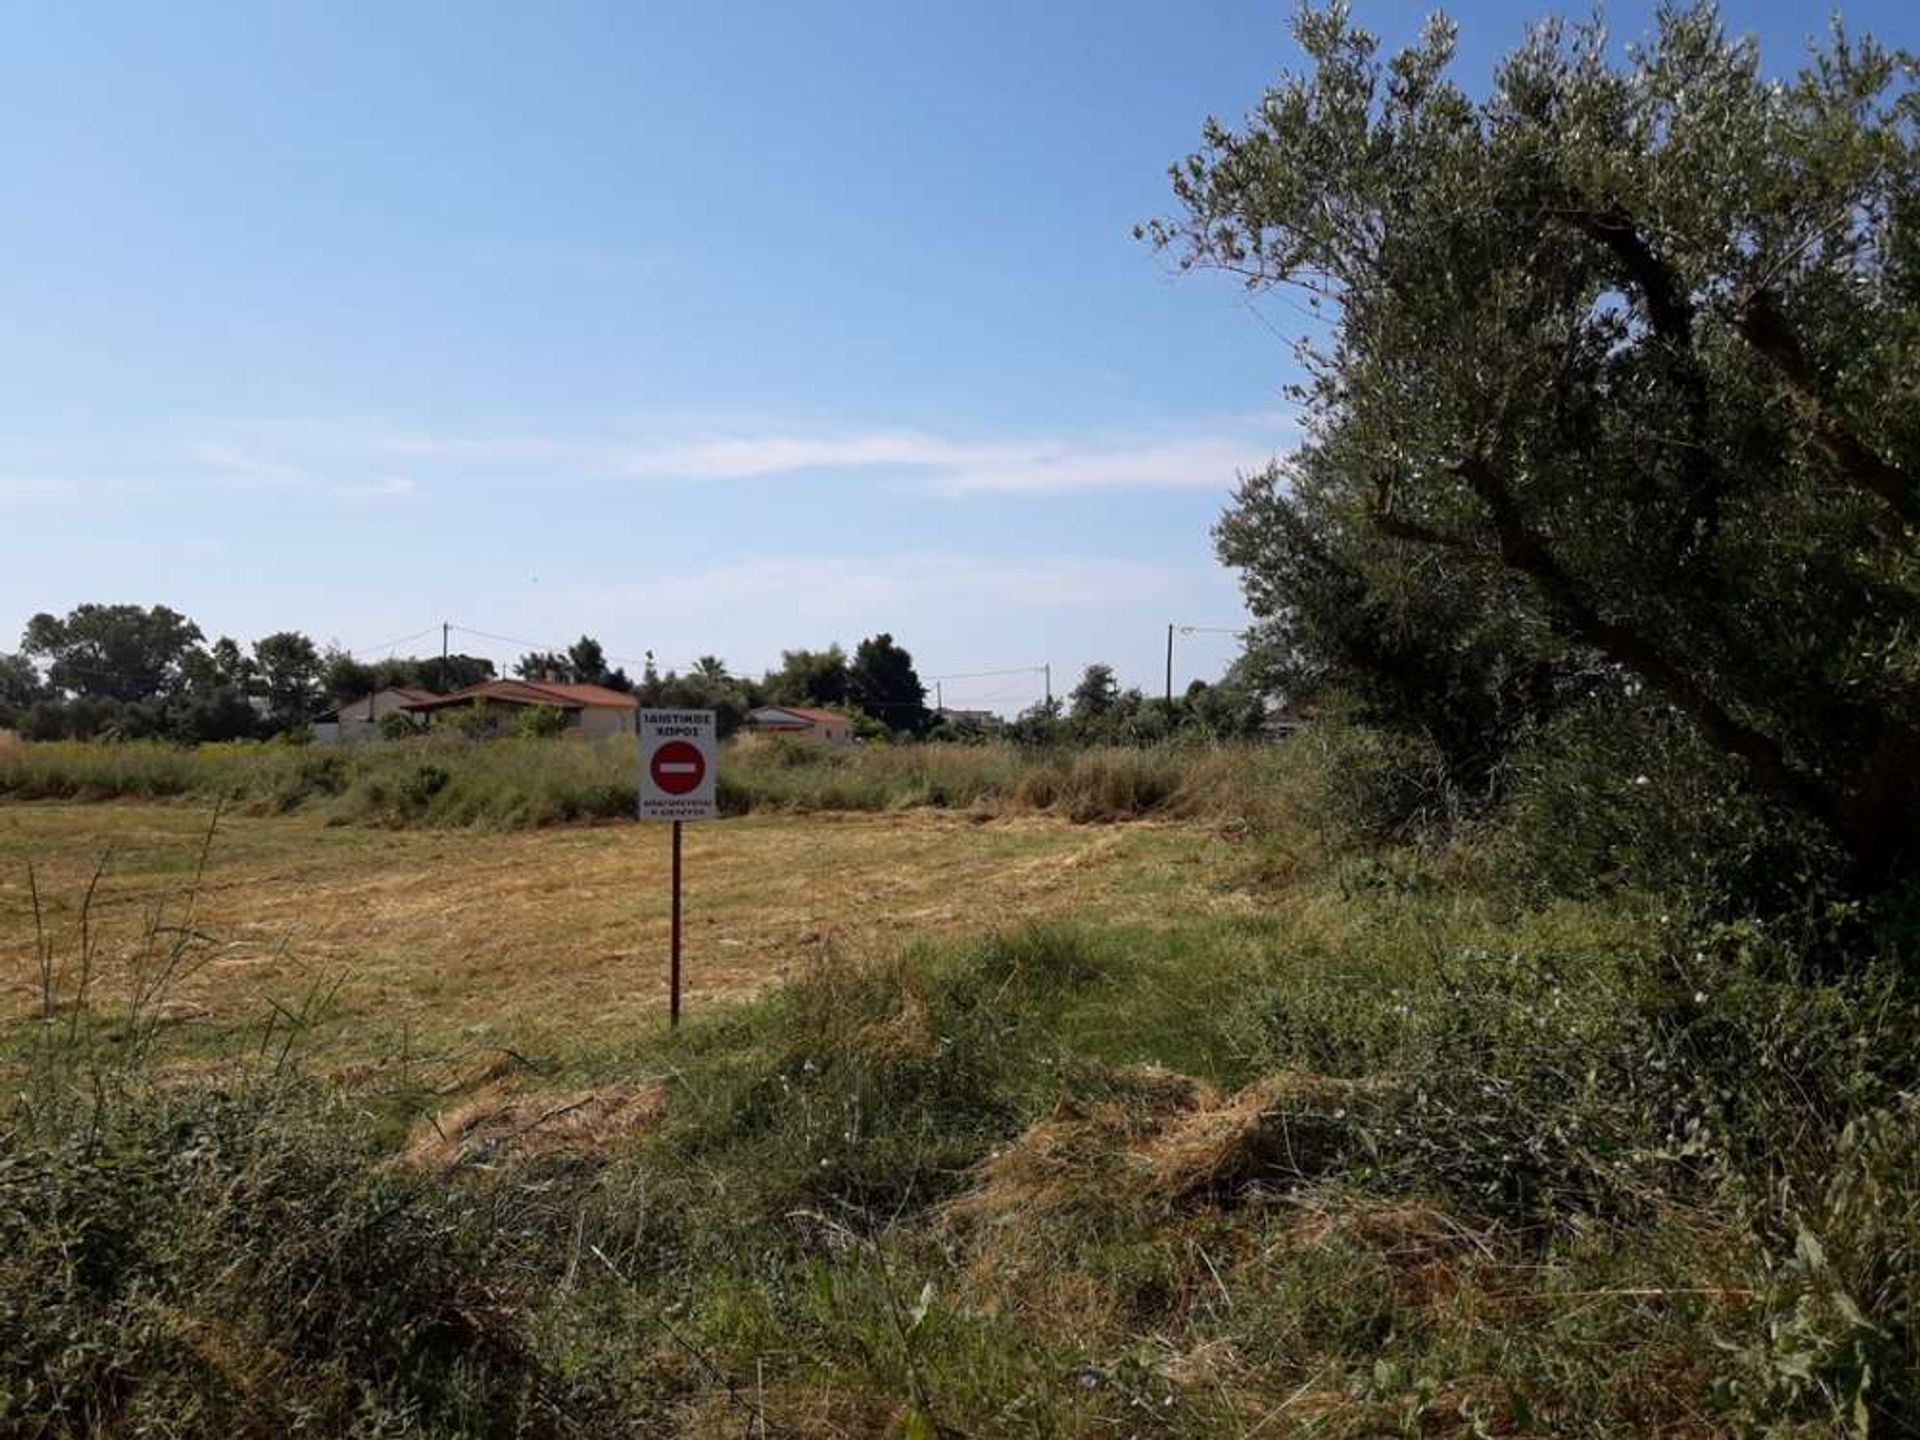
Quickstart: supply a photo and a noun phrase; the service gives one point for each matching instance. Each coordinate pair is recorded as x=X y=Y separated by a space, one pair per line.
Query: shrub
x=237 y=1259
x=510 y=782
x=475 y=721
x=1613 y=795
x=540 y=722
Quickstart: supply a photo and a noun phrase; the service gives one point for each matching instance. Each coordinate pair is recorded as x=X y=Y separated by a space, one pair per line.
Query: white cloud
x=379 y=486
x=1204 y=457
x=833 y=587
x=956 y=610
x=263 y=465
x=41 y=487
x=1196 y=464
x=355 y=461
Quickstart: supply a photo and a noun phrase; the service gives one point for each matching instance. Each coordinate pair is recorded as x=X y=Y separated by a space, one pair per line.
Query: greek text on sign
x=679 y=765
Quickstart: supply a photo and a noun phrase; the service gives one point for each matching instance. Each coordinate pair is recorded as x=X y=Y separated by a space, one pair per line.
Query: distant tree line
x=1097 y=711
x=130 y=672
x=878 y=687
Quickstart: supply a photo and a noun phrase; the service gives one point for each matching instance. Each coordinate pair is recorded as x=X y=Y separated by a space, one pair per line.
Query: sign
x=678 y=770
x=678 y=765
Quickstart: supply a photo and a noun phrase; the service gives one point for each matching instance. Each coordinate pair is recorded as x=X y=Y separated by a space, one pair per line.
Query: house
x=1283 y=722
x=590 y=710
x=823 y=725
x=969 y=719
x=360 y=719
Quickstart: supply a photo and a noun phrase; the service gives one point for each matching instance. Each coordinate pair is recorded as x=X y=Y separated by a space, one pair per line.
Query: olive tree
x=1615 y=389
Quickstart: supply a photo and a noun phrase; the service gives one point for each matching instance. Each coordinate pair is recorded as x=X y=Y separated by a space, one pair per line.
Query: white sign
x=679 y=765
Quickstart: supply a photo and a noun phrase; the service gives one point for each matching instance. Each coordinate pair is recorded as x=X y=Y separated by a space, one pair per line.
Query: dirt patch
x=496 y=1127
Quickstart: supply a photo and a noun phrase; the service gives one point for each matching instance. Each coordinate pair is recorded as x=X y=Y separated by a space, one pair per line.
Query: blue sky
x=721 y=328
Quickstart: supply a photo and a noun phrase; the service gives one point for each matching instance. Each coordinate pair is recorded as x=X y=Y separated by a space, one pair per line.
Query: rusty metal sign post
x=679 y=779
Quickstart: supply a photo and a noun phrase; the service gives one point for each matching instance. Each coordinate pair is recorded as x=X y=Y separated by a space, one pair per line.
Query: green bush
x=1613 y=795
x=446 y=779
x=239 y=1261
x=540 y=722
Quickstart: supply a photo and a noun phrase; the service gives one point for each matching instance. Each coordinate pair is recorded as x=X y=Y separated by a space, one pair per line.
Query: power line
x=538 y=645
x=1016 y=693
x=988 y=674
x=389 y=644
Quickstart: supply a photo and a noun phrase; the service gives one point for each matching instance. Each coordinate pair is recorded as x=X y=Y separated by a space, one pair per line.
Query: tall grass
x=512 y=783
x=1398 y=1158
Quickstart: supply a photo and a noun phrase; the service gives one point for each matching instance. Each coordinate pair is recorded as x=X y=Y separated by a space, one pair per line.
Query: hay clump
x=1279 y=1131
x=906 y=1035
x=1158 y=1139
x=495 y=1126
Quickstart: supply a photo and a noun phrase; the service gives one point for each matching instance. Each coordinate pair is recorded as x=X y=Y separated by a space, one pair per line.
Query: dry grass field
x=548 y=936
x=1174 y=1129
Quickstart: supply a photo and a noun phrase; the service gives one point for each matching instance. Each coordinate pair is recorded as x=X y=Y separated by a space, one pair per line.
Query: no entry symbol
x=677 y=767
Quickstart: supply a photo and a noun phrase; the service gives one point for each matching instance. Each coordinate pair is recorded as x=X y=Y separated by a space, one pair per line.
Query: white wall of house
x=360 y=720
x=600 y=720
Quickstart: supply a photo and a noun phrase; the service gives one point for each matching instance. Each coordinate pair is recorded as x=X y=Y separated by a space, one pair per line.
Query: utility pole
x=444 y=628
x=1048 y=669
x=1169 y=667
x=938 y=703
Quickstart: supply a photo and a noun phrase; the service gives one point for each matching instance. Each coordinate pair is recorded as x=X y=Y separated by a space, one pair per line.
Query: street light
x=1190 y=630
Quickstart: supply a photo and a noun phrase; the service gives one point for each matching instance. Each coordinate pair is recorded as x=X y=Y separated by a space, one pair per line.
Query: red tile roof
x=812 y=717
x=527 y=692
x=590 y=695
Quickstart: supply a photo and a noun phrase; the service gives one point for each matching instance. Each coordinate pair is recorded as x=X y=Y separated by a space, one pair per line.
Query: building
x=590 y=710
x=826 y=726
x=969 y=719
x=360 y=719
x=1283 y=722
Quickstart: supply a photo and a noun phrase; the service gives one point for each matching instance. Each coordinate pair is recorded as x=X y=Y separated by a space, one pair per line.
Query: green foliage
x=584 y=663
x=346 y=679
x=1040 y=724
x=442 y=676
x=1609 y=404
x=540 y=722
x=882 y=683
x=397 y=725
x=1408 y=1143
x=1374 y=786
x=20 y=688
x=707 y=686
x=239 y=1261
x=289 y=669
x=1095 y=694
x=113 y=652
x=808 y=677
x=1616 y=793
x=513 y=781
x=475 y=721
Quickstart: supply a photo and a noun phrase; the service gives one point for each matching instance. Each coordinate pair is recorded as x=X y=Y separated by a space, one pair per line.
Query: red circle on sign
x=678 y=767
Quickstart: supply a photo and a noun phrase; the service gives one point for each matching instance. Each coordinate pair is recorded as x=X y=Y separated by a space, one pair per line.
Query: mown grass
x=443 y=938
x=1394 y=1155
x=447 y=781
